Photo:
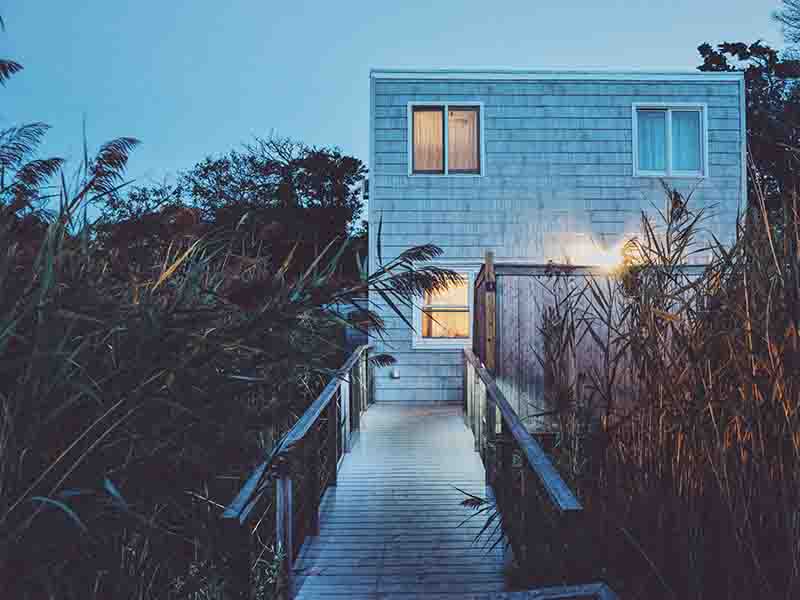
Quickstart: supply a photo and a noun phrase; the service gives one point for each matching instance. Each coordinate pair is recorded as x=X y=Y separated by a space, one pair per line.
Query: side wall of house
x=558 y=162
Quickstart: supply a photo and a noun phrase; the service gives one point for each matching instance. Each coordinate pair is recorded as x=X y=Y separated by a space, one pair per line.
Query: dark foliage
x=148 y=361
x=773 y=111
x=282 y=196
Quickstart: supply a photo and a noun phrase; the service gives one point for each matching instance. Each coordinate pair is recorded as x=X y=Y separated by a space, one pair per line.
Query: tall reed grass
x=691 y=476
x=136 y=393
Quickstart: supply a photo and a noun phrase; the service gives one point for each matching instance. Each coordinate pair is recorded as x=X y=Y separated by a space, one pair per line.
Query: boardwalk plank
x=390 y=528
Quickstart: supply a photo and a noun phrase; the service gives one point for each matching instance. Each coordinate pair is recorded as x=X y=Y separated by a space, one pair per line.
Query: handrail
x=307 y=420
x=320 y=438
x=243 y=503
x=556 y=488
x=596 y=591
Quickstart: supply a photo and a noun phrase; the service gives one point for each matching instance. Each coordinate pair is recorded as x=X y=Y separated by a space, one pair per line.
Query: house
x=533 y=166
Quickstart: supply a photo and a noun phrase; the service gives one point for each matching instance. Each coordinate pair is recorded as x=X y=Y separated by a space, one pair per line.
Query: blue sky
x=195 y=77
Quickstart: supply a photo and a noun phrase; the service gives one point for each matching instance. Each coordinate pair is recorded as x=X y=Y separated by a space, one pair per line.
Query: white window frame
x=469 y=272
x=669 y=108
x=445 y=106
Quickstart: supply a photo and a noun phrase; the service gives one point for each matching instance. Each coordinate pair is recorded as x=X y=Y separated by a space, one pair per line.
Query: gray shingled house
x=534 y=166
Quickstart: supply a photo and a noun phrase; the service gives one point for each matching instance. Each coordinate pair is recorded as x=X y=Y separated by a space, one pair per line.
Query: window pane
x=454 y=295
x=686 y=144
x=462 y=140
x=445 y=324
x=652 y=142
x=428 y=136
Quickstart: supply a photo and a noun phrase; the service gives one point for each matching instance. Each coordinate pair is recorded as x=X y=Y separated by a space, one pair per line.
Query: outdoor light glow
x=582 y=250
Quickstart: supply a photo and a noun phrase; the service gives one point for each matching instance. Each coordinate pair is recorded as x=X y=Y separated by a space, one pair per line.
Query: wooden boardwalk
x=389 y=529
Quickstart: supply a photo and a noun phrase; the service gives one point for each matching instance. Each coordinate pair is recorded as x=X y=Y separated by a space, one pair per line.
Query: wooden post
x=524 y=520
x=313 y=475
x=490 y=335
x=365 y=380
x=344 y=394
x=488 y=463
x=504 y=477
x=476 y=412
x=283 y=516
x=464 y=384
x=333 y=439
x=368 y=399
x=490 y=285
x=355 y=396
x=467 y=395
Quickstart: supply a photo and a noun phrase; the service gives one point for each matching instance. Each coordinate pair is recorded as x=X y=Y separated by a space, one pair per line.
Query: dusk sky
x=193 y=78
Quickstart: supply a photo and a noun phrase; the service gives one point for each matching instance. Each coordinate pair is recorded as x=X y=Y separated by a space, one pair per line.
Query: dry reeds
x=693 y=481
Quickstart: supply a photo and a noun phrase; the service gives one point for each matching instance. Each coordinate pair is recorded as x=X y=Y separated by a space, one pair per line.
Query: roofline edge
x=550 y=74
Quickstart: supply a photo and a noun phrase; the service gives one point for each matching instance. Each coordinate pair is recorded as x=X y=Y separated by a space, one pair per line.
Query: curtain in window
x=652 y=142
x=428 y=140
x=462 y=140
x=445 y=314
x=686 y=140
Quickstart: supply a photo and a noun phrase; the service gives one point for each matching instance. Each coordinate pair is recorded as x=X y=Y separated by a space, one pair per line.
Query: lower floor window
x=445 y=314
x=444 y=317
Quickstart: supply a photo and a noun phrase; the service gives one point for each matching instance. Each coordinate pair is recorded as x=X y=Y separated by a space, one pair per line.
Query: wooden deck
x=389 y=529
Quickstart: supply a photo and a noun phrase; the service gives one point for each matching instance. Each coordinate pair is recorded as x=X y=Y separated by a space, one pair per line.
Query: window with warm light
x=445 y=139
x=445 y=314
x=669 y=141
x=444 y=318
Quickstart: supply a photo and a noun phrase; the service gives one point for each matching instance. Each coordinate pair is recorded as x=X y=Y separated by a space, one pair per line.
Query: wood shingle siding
x=558 y=159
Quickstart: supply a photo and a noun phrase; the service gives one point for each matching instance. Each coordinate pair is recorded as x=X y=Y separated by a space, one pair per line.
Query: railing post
x=313 y=475
x=368 y=399
x=481 y=415
x=344 y=394
x=364 y=381
x=491 y=446
x=333 y=439
x=476 y=412
x=467 y=393
x=504 y=475
x=490 y=285
x=524 y=521
x=489 y=319
x=355 y=395
x=283 y=529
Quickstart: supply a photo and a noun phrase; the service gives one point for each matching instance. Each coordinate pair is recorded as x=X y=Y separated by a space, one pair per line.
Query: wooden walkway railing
x=288 y=486
x=540 y=515
x=527 y=488
x=484 y=403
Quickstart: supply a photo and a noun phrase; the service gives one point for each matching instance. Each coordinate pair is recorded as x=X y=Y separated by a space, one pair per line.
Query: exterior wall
x=521 y=296
x=558 y=162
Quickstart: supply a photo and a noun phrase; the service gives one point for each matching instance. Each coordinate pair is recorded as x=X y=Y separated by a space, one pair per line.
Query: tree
x=773 y=110
x=281 y=197
x=279 y=173
x=789 y=18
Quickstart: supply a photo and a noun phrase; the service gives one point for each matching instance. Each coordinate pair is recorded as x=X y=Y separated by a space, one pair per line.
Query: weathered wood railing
x=288 y=487
x=522 y=477
x=541 y=517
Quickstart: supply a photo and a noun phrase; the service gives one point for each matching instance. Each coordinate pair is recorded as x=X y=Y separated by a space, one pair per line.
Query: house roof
x=504 y=74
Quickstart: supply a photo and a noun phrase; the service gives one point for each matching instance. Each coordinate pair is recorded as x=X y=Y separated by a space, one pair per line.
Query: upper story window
x=669 y=141
x=445 y=139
